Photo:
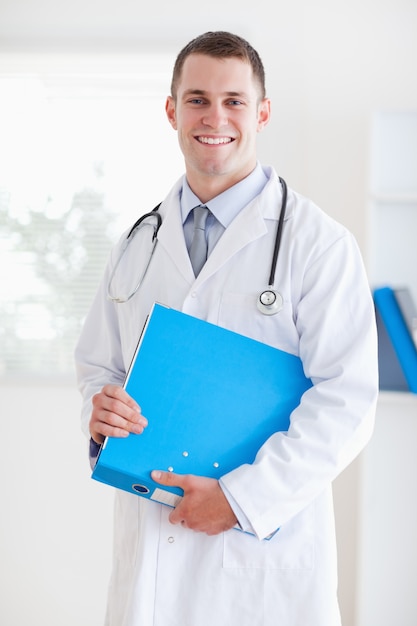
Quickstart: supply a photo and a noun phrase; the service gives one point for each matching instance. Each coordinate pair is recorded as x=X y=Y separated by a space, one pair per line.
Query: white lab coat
x=165 y=575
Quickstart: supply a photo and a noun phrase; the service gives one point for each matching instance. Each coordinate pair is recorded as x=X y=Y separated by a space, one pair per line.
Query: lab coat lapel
x=171 y=237
x=248 y=226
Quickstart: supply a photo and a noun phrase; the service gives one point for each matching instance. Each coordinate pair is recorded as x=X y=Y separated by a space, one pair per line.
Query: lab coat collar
x=247 y=226
x=227 y=205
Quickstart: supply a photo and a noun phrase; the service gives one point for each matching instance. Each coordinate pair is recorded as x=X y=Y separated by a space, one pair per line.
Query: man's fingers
x=168 y=478
x=115 y=414
x=117 y=400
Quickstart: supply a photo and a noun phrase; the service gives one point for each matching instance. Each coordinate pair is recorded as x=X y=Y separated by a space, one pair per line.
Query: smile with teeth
x=214 y=140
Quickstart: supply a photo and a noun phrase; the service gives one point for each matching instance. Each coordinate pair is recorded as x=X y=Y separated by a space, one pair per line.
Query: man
x=187 y=566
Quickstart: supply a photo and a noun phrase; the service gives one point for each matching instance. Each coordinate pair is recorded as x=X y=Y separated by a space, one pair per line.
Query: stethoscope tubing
x=279 y=232
x=268 y=309
x=153 y=213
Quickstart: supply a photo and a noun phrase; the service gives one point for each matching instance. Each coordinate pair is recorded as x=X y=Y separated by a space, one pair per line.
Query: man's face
x=217 y=114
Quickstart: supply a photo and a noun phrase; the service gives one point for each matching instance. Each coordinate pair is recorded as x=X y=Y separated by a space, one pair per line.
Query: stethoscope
x=269 y=302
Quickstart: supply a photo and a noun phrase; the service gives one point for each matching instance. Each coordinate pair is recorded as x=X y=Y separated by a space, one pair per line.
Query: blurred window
x=85 y=149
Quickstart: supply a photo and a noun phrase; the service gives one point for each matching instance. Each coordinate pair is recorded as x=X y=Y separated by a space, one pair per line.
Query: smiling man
x=188 y=566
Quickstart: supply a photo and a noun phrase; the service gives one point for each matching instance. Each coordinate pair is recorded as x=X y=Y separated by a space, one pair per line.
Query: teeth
x=216 y=141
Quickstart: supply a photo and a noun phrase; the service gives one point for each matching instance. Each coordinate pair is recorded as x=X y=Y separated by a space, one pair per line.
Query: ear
x=170 y=111
x=264 y=113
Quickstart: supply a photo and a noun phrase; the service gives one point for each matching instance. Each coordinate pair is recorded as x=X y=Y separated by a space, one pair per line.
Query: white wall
x=56 y=523
x=388 y=556
x=330 y=64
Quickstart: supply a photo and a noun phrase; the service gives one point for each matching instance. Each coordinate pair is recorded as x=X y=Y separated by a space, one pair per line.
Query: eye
x=235 y=102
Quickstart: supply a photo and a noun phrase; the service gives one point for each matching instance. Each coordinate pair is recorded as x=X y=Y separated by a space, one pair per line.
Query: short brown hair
x=220 y=44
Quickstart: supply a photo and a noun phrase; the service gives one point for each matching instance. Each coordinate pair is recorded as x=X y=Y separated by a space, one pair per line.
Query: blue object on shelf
x=397 y=349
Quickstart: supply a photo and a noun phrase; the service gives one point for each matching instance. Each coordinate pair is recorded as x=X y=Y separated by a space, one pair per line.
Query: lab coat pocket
x=291 y=548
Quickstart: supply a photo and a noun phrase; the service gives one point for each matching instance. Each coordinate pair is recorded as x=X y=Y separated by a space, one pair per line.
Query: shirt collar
x=226 y=206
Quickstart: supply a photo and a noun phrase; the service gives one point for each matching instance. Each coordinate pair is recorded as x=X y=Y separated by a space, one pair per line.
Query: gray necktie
x=198 y=250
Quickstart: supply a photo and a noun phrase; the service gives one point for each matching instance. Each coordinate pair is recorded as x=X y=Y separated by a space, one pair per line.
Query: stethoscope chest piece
x=270 y=302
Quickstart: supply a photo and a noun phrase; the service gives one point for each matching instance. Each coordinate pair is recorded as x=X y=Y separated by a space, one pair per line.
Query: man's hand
x=203 y=508
x=115 y=414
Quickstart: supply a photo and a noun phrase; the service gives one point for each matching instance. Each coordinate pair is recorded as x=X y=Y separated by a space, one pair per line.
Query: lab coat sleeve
x=242 y=520
x=335 y=321
x=98 y=354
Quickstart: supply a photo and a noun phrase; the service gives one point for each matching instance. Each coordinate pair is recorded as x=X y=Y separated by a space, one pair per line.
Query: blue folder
x=212 y=397
x=396 y=346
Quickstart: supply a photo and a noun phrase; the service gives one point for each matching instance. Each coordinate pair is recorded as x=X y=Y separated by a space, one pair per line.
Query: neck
x=208 y=187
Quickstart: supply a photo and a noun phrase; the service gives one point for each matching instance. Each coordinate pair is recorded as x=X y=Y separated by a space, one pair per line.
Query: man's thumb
x=166 y=478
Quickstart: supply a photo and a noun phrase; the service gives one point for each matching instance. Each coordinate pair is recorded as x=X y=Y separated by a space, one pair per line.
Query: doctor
x=188 y=566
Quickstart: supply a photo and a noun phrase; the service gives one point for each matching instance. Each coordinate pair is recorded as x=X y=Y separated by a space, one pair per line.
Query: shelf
x=397 y=399
x=399 y=198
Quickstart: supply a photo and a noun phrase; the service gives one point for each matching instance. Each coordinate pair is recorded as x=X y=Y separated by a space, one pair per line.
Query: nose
x=215 y=116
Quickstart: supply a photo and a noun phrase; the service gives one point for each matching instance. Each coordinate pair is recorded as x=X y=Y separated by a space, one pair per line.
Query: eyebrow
x=202 y=92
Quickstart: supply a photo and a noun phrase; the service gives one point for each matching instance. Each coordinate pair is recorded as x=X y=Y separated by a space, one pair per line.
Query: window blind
x=85 y=149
